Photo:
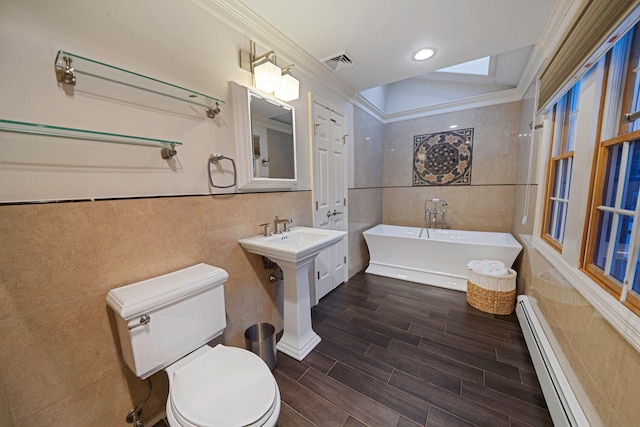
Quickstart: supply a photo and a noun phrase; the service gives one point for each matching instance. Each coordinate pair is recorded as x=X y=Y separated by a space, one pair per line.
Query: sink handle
x=266 y=232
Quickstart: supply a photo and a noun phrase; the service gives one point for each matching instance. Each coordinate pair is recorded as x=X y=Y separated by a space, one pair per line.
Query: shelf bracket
x=66 y=74
x=168 y=153
x=212 y=112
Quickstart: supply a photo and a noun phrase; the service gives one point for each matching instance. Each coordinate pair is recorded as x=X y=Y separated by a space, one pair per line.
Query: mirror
x=272 y=137
x=266 y=141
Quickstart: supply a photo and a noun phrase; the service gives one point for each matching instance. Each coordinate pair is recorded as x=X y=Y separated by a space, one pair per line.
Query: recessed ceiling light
x=423 y=54
x=453 y=126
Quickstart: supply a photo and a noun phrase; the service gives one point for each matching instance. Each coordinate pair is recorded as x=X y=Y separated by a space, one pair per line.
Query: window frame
x=594 y=107
x=612 y=285
x=626 y=96
x=564 y=110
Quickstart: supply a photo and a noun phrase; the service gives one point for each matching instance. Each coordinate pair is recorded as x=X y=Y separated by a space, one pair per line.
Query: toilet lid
x=227 y=386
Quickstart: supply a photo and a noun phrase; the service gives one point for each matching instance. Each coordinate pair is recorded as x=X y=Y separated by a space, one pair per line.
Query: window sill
x=620 y=317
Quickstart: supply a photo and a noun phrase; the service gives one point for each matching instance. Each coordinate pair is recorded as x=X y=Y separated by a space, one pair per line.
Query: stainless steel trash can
x=261 y=340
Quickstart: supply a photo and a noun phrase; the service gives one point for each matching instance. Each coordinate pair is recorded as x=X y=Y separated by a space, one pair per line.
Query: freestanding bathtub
x=440 y=260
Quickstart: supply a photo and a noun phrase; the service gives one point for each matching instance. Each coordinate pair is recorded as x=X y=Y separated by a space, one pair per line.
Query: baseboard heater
x=561 y=400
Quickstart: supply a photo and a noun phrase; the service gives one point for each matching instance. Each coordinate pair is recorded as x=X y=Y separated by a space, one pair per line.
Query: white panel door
x=329 y=194
x=321 y=193
x=338 y=199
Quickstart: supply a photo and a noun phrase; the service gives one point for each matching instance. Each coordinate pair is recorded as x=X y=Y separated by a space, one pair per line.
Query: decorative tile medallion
x=443 y=158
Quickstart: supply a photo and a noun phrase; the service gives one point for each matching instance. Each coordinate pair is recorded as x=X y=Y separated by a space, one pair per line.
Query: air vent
x=339 y=61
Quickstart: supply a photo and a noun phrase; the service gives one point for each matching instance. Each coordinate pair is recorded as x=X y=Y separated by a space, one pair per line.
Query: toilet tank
x=185 y=309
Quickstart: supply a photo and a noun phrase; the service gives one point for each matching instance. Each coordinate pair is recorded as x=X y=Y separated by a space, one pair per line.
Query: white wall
x=176 y=41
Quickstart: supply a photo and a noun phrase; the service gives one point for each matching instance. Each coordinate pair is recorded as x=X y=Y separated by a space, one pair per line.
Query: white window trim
x=623 y=320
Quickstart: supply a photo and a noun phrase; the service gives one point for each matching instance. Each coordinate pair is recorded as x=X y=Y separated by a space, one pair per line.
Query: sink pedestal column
x=298 y=338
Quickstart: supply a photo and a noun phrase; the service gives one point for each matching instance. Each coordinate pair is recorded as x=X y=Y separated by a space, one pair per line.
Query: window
x=611 y=256
x=562 y=145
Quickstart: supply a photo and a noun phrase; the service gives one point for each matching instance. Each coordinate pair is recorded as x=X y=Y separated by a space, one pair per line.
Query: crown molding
x=495 y=98
x=562 y=17
x=370 y=108
x=247 y=22
x=531 y=69
x=237 y=15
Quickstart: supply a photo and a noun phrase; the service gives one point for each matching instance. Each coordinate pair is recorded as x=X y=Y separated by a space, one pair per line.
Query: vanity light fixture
x=268 y=77
x=423 y=54
x=290 y=88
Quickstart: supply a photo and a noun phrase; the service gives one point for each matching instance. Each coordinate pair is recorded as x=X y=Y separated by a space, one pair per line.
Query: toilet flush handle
x=143 y=321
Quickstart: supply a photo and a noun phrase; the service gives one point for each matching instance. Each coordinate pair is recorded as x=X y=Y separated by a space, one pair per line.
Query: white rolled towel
x=489 y=267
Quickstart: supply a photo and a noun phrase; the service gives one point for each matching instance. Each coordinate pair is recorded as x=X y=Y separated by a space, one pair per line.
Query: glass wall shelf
x=68 y=65
x=57 y=131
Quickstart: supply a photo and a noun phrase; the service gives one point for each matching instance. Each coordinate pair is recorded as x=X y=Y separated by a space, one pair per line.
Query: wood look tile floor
x=395 y=353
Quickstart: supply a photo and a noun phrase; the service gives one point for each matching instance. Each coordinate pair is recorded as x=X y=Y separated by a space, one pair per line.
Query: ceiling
x=381 y=36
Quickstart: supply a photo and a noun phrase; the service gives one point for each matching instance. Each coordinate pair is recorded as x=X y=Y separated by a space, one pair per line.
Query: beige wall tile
x=486 y=204
x=595 y=404
x=520 y=195
x=365 y=211
x=53 y=253
x=94 y=403
x=368 y=150
x=52 y=354
x=588 y=342
x=495 y=146
x=624 y=398
x=60 y=356
x=131 y=391
x=476 y=208
x=5 y=413
x=365 y=200
x=600 y=364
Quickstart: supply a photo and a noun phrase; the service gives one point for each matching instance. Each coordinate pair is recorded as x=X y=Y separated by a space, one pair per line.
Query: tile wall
x=365 y=211
x=365 y=198
x=60 y=360
x=486 y=204
x=600 y=364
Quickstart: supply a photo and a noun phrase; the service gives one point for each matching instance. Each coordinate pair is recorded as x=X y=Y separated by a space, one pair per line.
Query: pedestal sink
x=294 y=251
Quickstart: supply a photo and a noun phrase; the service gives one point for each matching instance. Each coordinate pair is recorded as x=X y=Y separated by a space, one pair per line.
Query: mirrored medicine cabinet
x=265 y=133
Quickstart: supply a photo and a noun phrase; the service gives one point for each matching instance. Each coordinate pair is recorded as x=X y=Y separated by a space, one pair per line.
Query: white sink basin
x=295 y=245
x=294 y=251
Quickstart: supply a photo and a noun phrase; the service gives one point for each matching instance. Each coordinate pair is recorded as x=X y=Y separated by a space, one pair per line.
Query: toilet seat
x=222 y=387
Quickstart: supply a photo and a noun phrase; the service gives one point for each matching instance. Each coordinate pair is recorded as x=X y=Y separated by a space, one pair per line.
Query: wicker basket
x=492 y=294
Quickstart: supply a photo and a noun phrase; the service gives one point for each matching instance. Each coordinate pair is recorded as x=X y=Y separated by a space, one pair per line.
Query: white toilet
x=166 y=323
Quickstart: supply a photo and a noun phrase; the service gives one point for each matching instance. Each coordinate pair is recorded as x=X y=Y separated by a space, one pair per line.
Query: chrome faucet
x=431 y=214
x=276 y=225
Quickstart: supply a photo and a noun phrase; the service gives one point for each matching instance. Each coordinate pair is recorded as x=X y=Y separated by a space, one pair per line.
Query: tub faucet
x=276 y=225
x=431 y=214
